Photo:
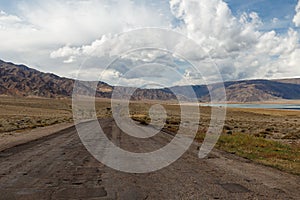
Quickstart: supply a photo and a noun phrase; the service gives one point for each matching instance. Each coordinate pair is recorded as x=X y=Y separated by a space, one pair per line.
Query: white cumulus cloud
x=236 y=44
x=296 y=19
x=58 y=35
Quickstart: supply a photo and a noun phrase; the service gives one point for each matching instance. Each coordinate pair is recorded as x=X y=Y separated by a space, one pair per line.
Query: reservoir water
x=265 y=106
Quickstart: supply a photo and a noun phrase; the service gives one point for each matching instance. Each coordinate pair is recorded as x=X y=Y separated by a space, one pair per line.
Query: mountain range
x=20 y=80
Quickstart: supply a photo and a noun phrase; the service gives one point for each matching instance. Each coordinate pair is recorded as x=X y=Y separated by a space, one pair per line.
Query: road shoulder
x=11 y=139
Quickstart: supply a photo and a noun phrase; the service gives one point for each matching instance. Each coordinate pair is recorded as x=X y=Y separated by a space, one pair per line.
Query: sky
x=244 y=39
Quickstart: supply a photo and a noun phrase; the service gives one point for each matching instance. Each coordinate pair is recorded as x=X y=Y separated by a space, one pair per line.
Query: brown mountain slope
x=257 y=90
x=19 y=80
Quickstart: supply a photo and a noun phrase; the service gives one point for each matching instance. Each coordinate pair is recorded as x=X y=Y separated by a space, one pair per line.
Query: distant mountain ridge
x=20 y=80
x=259 y=90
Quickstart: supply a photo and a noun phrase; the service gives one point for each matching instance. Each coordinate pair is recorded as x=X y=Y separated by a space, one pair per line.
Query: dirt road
x=59 y=167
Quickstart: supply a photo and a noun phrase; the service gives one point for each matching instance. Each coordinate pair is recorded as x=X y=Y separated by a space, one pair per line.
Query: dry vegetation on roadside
x=270 y=137
x=26 y=113
x=17 y=114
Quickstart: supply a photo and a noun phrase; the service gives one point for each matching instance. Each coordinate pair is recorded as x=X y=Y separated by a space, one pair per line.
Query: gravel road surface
x=59 y=167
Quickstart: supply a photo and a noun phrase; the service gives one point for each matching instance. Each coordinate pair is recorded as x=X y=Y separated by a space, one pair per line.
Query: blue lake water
x=265 y=106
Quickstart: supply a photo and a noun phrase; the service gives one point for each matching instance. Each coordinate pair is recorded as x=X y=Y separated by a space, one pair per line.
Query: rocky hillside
x=249 y=90
x=260 y=90
x=19 y=80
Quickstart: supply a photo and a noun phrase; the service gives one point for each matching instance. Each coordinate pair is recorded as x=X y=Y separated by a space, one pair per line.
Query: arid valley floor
x=256 y=157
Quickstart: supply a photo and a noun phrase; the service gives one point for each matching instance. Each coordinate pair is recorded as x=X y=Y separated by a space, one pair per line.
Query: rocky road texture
x=59 y=167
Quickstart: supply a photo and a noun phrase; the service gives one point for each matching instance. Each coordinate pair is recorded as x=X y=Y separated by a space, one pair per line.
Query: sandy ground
x=11 y=139
x=59 y=167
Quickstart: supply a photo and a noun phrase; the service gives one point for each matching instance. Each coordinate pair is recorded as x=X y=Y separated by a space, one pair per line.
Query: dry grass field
x=17 y=114
x=26 y=113
x=270 y=137
x=283 y=125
